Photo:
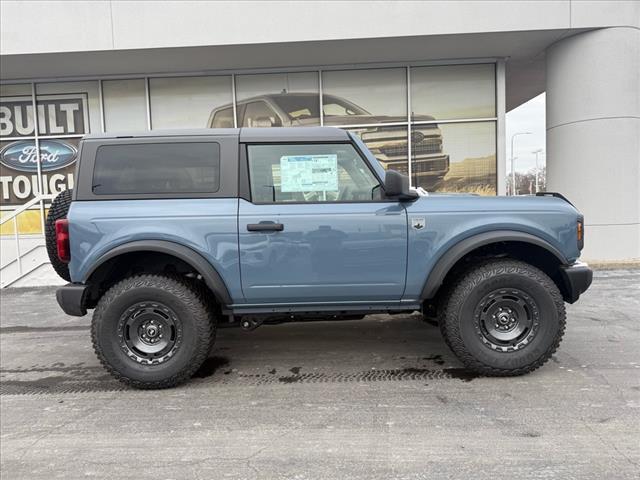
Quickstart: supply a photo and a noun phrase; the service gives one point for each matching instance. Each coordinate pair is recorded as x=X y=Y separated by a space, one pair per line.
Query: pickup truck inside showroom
x=168 y=235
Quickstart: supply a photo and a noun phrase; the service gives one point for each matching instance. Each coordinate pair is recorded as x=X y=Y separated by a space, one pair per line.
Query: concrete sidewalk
x=378 y=398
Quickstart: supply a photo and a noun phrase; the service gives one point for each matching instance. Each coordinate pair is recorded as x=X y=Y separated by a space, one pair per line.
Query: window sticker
x=309 y=173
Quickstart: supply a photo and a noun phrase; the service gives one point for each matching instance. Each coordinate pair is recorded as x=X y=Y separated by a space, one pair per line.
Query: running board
x=361 y=308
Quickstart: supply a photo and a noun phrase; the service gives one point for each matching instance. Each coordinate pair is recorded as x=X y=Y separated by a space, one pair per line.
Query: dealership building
x=426 y=85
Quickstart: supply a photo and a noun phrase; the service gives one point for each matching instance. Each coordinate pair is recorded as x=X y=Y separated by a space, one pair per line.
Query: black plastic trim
x=228 y=187
x=329 y=309
x=577 y=278
x=71 y=298
x=265 y=227
x=211 y=277
x=244 y=189
x=554 y=194
x=459 y=250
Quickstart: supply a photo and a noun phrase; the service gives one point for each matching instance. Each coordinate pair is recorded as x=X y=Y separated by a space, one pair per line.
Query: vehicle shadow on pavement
x=377 y=348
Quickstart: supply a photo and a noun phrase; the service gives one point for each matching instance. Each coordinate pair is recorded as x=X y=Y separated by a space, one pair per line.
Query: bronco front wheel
x=503 y=317
x=152 y=331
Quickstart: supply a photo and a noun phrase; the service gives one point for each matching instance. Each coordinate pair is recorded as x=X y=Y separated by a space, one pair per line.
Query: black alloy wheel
x=154 y=331
x=502 y=317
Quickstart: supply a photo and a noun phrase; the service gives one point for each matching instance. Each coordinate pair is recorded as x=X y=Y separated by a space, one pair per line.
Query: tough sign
x=57 y=115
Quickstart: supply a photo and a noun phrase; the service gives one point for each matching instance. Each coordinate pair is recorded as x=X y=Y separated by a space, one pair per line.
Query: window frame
x=228 y=179
x=245 y=175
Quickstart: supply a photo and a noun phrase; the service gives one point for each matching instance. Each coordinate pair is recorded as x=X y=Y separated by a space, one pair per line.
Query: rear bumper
x=577 y=278
x=71 y=298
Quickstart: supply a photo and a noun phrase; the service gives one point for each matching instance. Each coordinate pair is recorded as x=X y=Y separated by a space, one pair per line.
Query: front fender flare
x=460 y=249
x=209 y=274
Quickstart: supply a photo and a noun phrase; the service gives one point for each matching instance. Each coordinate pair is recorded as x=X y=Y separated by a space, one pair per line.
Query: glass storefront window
x=388 y=145
x=65 y=112
x=454 y=157
x=278 y=100
x=453 y=92
x=190 y=102
x=68 y=108
x=445 y=156
x=353 y=97
x=125 y=105
x=16 y=111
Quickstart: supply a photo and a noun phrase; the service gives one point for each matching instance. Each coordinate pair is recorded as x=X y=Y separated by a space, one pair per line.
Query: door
x=315 y=228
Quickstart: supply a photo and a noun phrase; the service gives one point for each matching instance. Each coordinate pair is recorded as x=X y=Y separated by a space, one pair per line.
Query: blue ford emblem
x=54 y=155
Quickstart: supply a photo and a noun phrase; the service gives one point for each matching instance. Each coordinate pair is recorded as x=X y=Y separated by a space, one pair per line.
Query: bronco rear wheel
x=58 y=210
x=503 y=318
x=153 y=331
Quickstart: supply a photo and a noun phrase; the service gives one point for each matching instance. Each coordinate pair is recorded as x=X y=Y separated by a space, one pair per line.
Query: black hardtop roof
x=274 y=134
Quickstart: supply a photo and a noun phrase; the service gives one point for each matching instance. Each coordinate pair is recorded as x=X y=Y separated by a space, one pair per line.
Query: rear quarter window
x=157 y=168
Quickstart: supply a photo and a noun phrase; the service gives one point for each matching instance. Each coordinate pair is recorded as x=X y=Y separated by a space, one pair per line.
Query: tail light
x=62 y=240
x=580 y=232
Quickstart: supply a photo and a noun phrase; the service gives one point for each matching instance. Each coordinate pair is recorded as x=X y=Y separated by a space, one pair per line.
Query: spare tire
x=59 y=209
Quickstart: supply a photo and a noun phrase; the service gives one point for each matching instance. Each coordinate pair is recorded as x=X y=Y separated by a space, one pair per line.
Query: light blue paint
x=208 y=226
x=326 y=252
x=335 y=252
x=451 y=219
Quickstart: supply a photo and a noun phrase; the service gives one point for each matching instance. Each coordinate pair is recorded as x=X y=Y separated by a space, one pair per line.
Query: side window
x=223 y=118
x=310 y=173
x=157 y=168
x=259 y=114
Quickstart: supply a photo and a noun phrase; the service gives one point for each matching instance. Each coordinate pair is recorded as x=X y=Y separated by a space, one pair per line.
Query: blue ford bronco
x=168 y=235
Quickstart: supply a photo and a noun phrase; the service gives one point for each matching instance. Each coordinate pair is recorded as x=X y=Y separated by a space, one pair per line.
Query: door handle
x=265 y=227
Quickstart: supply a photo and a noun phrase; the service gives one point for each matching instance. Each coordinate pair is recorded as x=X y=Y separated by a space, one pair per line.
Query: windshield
x=299 y=107
x=336 y=106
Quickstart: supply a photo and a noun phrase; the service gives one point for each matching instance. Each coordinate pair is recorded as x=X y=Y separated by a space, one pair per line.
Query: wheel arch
x=184 y=254
x=482 y=242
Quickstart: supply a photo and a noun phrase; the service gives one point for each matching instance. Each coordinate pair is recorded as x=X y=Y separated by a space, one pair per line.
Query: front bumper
x=577 y=278
x=432 y=165
x=71 y=298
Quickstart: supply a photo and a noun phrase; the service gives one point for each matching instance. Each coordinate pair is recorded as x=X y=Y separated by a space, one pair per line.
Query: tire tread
x=193 y=298
x=59 y=209
x=465 y=283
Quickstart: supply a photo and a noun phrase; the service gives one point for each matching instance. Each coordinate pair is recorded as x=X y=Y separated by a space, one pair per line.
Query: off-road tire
x=193 y=310
x=459 y=320
x=59 y=209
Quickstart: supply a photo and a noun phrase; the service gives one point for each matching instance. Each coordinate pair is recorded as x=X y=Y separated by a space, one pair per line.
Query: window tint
x=310 y=173
x=163 y=168
x=259 y=114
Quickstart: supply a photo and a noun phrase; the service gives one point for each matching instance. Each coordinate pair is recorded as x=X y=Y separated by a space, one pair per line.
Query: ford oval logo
x=54 y=155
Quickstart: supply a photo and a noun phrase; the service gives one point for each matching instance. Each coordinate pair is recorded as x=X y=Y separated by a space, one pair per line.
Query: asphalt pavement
x=379 y=398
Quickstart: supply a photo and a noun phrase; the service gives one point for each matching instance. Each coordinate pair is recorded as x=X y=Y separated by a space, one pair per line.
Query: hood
x=334 y=121
x=468 y=202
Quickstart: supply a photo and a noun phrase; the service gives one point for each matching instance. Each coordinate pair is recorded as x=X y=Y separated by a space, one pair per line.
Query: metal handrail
x=14 y=216
x=24 y=254
x=26 y=206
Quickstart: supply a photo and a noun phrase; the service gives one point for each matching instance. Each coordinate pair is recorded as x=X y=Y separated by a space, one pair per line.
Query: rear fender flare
x=201 y=265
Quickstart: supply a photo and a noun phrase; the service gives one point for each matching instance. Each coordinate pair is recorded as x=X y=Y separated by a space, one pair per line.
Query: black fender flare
x=460 y=249
x=201 y=265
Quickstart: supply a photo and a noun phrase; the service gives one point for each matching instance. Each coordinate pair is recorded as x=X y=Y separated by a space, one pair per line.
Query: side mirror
x=396 y=185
